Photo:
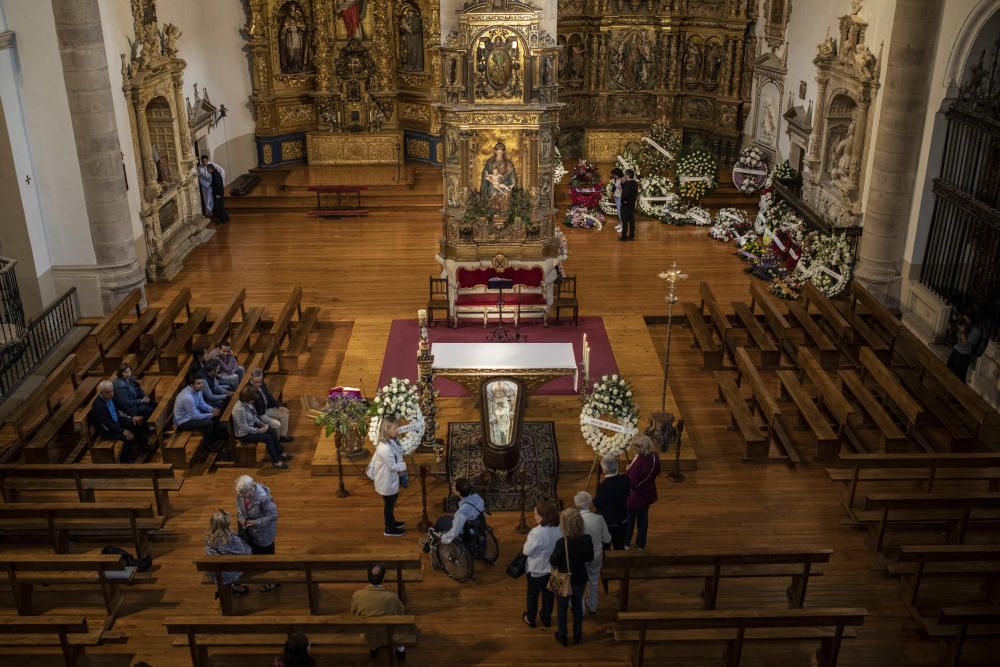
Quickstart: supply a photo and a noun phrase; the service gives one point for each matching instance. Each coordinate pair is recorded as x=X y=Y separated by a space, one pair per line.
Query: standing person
x=386 y=469
x=222 y=541
x=538 y=548
x=249 y=429
x=642 y=472
x=593 y=525
x=258 y=517
x=611 y=501
x=231 y=372
x=969 y=335
x=296 y=652
x=575 y=550
x=374 y=600
x=129 y=396
x=616 y=188
x=219 y=212
x=269 y=409
x=192 y=413
x=205 y=184
x=630 y=195
x=113 y=423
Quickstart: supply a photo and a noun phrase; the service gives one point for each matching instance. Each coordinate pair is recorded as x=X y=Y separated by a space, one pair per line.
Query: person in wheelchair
x=469 y=519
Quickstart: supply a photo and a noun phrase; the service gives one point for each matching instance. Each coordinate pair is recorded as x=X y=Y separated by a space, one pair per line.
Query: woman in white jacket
x=538 y=548
x=386 y=469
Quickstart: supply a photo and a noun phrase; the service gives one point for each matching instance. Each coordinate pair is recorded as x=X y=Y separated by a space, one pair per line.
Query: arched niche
x=163 y=139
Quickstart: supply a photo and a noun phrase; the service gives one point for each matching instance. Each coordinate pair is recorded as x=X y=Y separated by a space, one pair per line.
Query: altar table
x=534 y=364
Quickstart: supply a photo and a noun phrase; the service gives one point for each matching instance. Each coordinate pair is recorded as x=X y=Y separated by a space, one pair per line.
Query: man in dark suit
x=113 y=423
x=611 y=501
x=630 y=195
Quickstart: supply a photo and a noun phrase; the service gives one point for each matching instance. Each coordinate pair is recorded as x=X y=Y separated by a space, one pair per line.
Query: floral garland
x=696 y=175
x=652 y=191
x=398 y=400
x=750 y=172
x=611 y=402
x=580 y=216
x=730 y=224
x=558 y=170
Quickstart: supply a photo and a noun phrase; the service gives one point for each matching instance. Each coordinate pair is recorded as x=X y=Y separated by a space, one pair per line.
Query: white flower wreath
x=398 y=400
x=826 y=263
x=609 y=417
x=697 y=175
x=656 y=196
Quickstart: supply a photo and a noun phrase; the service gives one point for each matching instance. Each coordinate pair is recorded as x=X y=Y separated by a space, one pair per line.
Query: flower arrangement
x=730 y=224
x=398 y=400
x=785 y=172
x=750 y=171
x=696 y=175
x=660 y=149
x=345 y=413
x=610 y=402
x=585 y=175
x=558 y=169
x=580 y=216
x=607 y=205
x=585 y=186
x=826 y=263
x=699 y=216
x=655 y=195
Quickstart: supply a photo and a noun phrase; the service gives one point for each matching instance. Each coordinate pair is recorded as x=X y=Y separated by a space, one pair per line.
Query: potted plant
x=345 y=417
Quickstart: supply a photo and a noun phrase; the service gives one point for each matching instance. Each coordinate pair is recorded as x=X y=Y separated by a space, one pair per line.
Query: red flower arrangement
x=585 y=186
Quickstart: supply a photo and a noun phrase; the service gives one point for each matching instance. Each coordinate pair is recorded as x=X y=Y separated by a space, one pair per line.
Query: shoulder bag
x=559 y=582
x=517 y=566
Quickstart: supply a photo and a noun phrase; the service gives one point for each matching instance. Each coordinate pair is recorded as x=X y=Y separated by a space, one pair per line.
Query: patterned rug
x=539 y=456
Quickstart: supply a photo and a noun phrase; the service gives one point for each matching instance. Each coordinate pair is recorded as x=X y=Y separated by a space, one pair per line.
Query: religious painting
x=411 y=38
x=499 y=178
x=499 y=57
x=352 y=16
x=632 y=62
x=293 y=39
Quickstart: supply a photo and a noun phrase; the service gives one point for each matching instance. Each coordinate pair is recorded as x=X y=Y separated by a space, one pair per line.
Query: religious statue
x=692 y=62
x=452 y=71
x=713 y=62
x=162 y=166
x=151 y=45
x=575 y=61
x=864 y=62
x=841 y=158
x=856 y=6
x=769 y=125
x=293 y=45
x=500 y=400
x=498 y=66
x=826 y=48
x=171 y=34
x=546 y=73
x=499 y=178
x=411 y=39
x=352 y=13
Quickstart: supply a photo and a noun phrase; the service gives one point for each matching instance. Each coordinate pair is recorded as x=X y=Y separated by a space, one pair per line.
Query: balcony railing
x=20 y=354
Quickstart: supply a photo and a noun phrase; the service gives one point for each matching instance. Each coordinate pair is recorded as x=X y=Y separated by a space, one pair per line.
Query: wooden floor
x=365 y=272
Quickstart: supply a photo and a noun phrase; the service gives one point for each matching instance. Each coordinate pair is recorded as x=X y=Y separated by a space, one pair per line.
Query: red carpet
x=401 y=351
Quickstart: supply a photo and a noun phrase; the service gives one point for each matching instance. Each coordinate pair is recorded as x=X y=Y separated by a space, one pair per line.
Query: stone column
x=897 y=147
x=88 y=87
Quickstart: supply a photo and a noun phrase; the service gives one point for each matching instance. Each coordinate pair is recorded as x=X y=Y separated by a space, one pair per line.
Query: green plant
x=343 y=415
x=479 y=207
x=520 y=207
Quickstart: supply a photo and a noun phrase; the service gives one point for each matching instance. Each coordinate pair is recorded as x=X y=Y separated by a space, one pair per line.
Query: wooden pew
x=36 y=632
x=86 y=480
x=243 y=454
x=711 y=352
x=309 y=569
x=914 y=563
x=24 y=572
x=129 y=342
x=891 y=389
x=828 y=626
x=713 y=567
x=756 y=445
x=923 y=469
x=110 y=329
x=776 y=322
x=953 y=510
x=270 y=632
x=163 y=327
x=219 y=330
x=167 y=341
x=240 y=340
x=829 y=396
x=827 y=440
x=717 y=318
x=829 y=354
x=881 y=323
x=770 y=354
x=766 y=403
x=963 y=617
x=173 y=444
x=892 y=439
x=104 y=450
x=288 y=357
x=832 y=320
x=57 y=521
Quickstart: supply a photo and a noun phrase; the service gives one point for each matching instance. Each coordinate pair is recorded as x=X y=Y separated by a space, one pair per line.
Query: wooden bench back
x=830 y=394
x=92 y=471
x=837 y=323
x=105 y=333
x=220 y=327
x=891 y=386
x=925 y=501
x=948 y=553
x=293 y=305
x=636 y=563
x=970 y=615
x=881 y=314
x=75 y=511
x=745 y=618
x=957 y=460
x=762 y=395
x=163 y=414
x=775 y=319
x=163 y=327
x=43 y=395
x=61 y=562
x=965 y=395
x=36 y=625
x=316 y=563
x=283 y=624
x=256 y=362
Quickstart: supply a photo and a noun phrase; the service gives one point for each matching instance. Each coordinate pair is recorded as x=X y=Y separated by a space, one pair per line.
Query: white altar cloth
x=504 y=356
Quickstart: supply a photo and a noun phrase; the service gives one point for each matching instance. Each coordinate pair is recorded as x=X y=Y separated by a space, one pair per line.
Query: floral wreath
x=398 y=400
x=655 y=196
x=750 y=172
x=580 y=216
x=826 y=263
x=729 y=224
x=697 y=175
x=627 y=160
x=610 y=404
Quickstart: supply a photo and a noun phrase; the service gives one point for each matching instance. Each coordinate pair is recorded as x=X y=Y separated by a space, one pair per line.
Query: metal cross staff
x=671 y=276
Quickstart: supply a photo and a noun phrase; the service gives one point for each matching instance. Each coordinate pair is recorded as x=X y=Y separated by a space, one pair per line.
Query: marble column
x=88 y=87
x=897 y=147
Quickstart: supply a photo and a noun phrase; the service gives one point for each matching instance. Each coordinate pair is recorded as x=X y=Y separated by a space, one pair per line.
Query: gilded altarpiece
x=170 y=200
x=499 y=113
x=627 y=63
x=339 y=81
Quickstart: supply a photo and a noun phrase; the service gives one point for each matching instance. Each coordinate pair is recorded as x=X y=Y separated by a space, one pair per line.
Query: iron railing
x=43 y=333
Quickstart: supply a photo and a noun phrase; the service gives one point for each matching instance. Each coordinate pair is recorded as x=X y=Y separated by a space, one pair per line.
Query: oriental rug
x=400 y=358
x=539 y=457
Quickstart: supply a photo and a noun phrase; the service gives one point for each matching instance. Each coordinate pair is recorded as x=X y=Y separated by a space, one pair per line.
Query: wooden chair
x=437 y=299
x=566 y=298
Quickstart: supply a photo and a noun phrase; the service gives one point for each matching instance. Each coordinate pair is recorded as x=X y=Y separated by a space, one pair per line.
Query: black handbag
x=517 y=566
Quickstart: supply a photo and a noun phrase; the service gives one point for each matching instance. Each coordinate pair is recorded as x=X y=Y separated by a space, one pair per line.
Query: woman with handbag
x=568 y=578
x=642 y=472
x=388 y=470
x=258 y=518
x=537 y=551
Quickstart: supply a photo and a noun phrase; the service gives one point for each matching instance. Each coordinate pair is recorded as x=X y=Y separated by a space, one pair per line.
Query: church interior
x=519 y=246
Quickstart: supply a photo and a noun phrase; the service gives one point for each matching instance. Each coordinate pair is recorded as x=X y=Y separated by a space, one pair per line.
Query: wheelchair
x=478 y=542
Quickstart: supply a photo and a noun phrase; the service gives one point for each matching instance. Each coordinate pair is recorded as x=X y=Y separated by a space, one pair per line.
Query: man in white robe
x=205 y=183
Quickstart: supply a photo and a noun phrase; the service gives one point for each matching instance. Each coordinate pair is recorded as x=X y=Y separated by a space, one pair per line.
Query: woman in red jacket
x=642 y=472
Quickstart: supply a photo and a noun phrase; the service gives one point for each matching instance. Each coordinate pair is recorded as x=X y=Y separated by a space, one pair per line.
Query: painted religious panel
x=353 y=20
x=499 y=178
x=499 y=75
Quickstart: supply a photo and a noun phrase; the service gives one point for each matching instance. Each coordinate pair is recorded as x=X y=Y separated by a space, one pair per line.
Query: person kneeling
x=248 y=429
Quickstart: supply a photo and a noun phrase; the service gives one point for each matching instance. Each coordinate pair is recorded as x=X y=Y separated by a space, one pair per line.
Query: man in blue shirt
x=470 y=508
x=112 y=423
x=192 y=413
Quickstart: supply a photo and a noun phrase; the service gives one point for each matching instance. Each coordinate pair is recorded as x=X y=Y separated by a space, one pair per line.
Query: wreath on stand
x=398 y=400
x=697 y=175
x=585 y=186
x=730 y=224
x=609 y=417
x=656 y=196
x=750 y=172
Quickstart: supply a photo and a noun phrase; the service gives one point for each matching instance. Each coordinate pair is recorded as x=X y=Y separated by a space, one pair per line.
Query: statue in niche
x=713 y=62
x=631 y=62
x=546 y=73
x=856 y=6
x=152 y=47
x=411 y=39
x=352 y=13
x=769 y=124
x=452 y=71
x=575 y=61
x=692 y=62
x=841 y=158
x=864 y=62
x=499 y=178
x=293 y=45
x=499 y=65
